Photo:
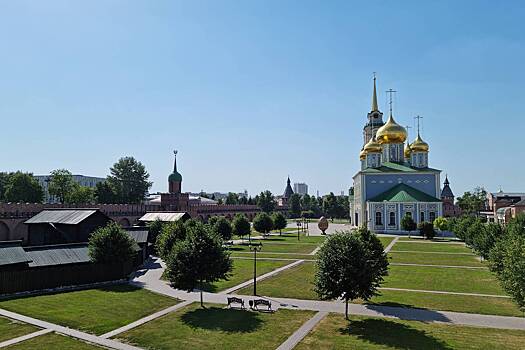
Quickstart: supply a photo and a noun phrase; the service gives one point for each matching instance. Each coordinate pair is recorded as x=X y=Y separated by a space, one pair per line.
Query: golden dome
x=407 y=150
x=362 y=155
x=373 y=146
x=391 y=132
x=419 y=145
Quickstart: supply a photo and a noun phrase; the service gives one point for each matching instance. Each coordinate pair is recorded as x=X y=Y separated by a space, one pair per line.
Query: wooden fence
x=33 y=279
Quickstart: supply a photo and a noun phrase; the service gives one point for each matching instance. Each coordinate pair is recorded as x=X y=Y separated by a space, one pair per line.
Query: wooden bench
x=234 y=300
x=262 y=302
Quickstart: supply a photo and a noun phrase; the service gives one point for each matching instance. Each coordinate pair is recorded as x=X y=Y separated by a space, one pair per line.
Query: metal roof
x=12 y=253
x=138 y=236
x=58 y=254
x=63 y=216
x=389 y=167
x=404 y=193
x=164 y=216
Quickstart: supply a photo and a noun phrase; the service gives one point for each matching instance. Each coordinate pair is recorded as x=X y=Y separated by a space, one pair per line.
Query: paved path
x=148 y=280
x=260 y=278
x=422 y=252
x=273 y=259
x=442 y=266
x=112 y=344
x=443 y=292
x=313 y=230
x=145 y=319
x=389 y=247
x=302 y=332
x=9 y=342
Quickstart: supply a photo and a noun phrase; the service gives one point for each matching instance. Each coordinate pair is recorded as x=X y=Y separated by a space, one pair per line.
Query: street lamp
x=255 y=248
x=298 y=227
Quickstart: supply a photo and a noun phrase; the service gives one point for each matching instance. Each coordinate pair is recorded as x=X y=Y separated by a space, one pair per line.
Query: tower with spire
x=175 y=178
x=175 y=199
x=375 y=117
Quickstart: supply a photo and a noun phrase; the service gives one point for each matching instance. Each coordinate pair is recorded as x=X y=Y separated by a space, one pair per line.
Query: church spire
x=175 y=161
x=375 y=108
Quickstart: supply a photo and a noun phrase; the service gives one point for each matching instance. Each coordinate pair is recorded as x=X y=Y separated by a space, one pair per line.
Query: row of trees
x=502 y=246
x=330 y=205
x=127 y=183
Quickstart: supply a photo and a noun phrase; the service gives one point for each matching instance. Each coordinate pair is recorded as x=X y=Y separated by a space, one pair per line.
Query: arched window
x=392 y=219
x=422 y=216
x=379 y=218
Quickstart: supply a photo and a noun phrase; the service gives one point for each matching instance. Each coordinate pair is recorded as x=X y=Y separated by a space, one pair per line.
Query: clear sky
x=252 y=91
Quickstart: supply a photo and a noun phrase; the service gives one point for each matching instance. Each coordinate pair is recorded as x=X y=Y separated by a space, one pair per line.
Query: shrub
x=111 y=244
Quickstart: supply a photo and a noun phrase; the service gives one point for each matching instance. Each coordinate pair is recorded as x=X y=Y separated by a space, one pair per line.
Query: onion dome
x=175 y=176
x=372 y=146
x=391 y=132
x=419 y=145
x=407 y=151
x=362 y=154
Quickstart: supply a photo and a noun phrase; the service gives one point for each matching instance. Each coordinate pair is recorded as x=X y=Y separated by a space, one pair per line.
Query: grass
x=93 y=310
x=10 y=329
x=386 y=240
x=435 y=259
x=53 y=341
x=217 y=328
x=243 y=271
x=273 y=255
x=432 y=247
x=368 y=333
x=303 y=248
x=449 y=302
x=292 y=238
x=443 y=279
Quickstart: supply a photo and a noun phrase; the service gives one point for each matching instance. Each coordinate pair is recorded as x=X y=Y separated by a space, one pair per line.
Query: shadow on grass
x=227 y=320
x=392 y=334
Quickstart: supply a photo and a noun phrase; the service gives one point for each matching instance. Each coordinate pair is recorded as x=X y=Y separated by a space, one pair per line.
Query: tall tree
x=232 y=198
x=222 y=228
x=279 y=222
x=295 y=205
x=23 y=187
x=266 y=202
x=350 y=265
x=129 y=180
x=4 y=179
x=170 y=234
x=330 y=205
x=111 y=244
x=408 y=224
x=61 y=184
x=262 y=223
x=81 y=195
x=154 y=230
x=241 y=226
x=197 y=260
x=473 y=202
x=104 y=193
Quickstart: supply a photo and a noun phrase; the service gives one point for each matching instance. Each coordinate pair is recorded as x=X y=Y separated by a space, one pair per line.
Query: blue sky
x=252 y=91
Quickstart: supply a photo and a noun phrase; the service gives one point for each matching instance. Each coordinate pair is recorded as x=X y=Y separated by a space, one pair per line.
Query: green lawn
x=432 y=247
x=443 y=279
x=292 y=238
x=217 y=328
x=243 y=271
x=386 y=240
x=93 y=310
x=273 y=255
x=368 y=333
x=435 y=259
x=10 y=329
x=449 y=302
x=303 y=248
x=53 y=341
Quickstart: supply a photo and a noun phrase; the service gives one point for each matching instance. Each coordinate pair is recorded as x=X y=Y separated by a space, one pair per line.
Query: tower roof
x=391 y=132
x=446 y=192
x=375 y=108
x=288 y=190
x=175 y=176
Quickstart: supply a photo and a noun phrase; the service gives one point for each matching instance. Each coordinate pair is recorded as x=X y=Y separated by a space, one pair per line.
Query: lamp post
x=298 y=227
x=255 y=248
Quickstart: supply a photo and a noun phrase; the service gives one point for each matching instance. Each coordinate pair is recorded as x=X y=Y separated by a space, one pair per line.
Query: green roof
x=175 y=177
x=404 y=193
x=388 y=167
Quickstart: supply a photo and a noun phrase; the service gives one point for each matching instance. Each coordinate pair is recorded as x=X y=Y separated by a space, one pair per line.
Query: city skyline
x=250 y=93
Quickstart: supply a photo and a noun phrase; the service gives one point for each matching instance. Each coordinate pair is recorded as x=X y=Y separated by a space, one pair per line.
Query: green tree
x=473 y=202
x=408 y=224
x=154 y=230
x=171 y=233
x=507 y=260
x=61 y=184
x=262 y=223
x=441 y=224
x=111 y=244
x=23 y=187
x=232 y=198
x=197 y=260
x=330 y=206
x=265 y=201
x=104 y=193
x=81 y=194
x=486 y=238
x=295 y=205
x=279 y=222
x=241 y=226
x=4 y=180
x=129 y=180
x=350 y=266
x=426 y=229
x=223 y=228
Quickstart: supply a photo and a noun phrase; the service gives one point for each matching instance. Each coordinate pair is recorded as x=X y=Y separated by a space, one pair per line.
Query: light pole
x=298 y=227
x=255 y=248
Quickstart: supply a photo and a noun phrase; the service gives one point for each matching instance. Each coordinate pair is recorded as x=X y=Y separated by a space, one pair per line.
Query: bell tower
x=375 y=118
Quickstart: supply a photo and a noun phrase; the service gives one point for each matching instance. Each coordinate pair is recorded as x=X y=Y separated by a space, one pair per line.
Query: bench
x=262 y=302
x=234 y=300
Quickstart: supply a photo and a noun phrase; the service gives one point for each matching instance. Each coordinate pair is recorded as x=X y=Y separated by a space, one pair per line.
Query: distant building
x=447 y=197
x=87 y=181
x=300 y=188
x=283 y=200
x=503 y=206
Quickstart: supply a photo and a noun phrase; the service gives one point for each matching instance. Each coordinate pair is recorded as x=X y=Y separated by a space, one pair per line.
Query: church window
x=432 y=216
x=356 y=219
x=379 y=219
x=392 y=219
x=422 y=216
